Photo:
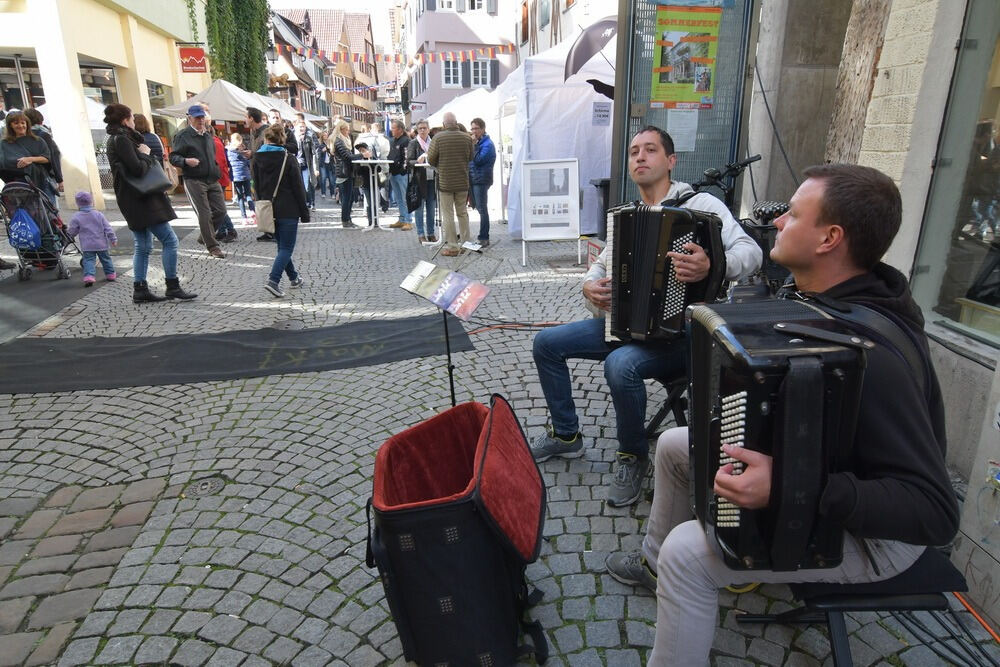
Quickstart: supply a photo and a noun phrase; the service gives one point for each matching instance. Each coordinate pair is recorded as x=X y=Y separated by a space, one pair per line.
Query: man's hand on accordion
x=598 y=292
x=690 y=266
x=750 y=488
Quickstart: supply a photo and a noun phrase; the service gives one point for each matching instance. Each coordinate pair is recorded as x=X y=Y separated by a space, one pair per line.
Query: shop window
x=956 y=279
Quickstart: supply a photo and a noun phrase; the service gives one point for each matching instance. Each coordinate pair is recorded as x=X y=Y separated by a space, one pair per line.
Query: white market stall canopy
x=479 y=102
x=560 y=116
x=229 y=102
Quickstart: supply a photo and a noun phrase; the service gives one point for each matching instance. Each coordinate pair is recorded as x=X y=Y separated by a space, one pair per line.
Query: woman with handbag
x=423 y=179
x=140 y=189
x=281 y=201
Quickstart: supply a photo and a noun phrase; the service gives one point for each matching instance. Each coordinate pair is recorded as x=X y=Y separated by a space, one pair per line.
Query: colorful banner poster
x=687 y=40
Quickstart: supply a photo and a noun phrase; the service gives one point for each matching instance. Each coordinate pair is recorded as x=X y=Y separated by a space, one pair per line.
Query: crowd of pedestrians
x=423 y=169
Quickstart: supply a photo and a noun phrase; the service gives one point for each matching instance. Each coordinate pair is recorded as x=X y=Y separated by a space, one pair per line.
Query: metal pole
x=25 y=103
x=451 y=367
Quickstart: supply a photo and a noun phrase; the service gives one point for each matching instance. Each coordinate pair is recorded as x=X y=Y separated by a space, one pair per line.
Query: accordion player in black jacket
x=892 y=497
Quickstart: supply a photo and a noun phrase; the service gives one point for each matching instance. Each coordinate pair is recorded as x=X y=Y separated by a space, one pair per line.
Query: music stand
x=374 y=193
x=452 y=293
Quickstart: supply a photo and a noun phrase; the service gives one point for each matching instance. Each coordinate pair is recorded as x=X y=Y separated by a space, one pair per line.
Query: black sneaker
x=626 y=487
x=265 y=237
x=273 y=288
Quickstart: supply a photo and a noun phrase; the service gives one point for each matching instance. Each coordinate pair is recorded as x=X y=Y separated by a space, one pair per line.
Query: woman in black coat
x=343 y=149
x=146 y=215
x=277 y=179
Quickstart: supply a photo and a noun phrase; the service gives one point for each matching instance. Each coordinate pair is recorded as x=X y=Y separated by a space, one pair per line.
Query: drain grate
x=205 y=487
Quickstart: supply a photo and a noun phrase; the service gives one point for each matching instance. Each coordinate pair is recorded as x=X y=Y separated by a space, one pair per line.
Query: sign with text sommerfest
x=687 y=40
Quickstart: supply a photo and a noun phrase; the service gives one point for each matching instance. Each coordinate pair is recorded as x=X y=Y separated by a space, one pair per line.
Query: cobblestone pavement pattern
x=223 y=523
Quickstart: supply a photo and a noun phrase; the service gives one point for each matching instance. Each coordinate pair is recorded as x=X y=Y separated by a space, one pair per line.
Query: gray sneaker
x=626 y=487
x=547 y=445
x=631 y=569
x=273 y=288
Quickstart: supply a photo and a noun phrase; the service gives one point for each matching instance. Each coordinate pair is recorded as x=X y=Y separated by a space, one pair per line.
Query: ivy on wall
x=237 y=38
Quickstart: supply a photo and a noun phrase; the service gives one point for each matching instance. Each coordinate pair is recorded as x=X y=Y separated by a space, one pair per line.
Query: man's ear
x=833 y=239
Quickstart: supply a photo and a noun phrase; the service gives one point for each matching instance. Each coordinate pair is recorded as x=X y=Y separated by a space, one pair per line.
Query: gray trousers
x=690 y=570
x=209 y=203
x=453 y=204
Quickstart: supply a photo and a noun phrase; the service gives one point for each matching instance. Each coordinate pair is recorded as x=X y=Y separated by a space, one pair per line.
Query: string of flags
x=356 y=89
x=487 y=52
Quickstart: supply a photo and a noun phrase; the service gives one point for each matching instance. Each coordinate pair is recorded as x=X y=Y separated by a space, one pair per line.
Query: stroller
x=55 y=241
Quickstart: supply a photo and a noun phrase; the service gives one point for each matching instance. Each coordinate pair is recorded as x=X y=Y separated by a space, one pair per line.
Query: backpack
x=23 y=232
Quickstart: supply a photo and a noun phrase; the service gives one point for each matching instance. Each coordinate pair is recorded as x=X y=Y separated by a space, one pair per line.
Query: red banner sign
x=193 y=59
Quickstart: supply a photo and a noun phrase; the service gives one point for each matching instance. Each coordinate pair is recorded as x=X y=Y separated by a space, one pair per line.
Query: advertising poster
x=687 y=40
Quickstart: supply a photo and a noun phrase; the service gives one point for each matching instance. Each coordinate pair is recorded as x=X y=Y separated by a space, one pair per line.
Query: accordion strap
x=884 y=329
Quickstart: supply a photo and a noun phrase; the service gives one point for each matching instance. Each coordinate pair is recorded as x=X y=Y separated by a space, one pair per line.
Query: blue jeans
x=241 y=189
x=346 y=199
x=479 y=198
x=285 y=231
x=398 y=184
x=143 y=239
x=224 y=227
x=90 y=258
x=327 y=174
x=426 y=212
x=625 y=368
x=310 y=188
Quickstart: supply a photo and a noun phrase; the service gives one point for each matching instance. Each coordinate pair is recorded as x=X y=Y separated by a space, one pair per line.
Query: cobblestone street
x=223 y=523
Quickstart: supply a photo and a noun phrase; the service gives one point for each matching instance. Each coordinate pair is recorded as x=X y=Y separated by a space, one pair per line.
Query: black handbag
x=413 y=197
x=154 y=181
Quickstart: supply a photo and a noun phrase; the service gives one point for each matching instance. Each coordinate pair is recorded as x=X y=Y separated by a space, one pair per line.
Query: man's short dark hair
x=34 y=115
x=398 y=123
x=479 y=122
x=865 y=202
x=255 y=114
x=665 y=139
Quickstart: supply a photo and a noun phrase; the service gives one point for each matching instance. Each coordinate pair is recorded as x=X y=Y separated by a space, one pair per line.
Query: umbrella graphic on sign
x=591 y=42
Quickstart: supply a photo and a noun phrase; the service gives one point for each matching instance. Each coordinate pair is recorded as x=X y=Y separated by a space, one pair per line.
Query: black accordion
x=647 y=300
x=784 y=378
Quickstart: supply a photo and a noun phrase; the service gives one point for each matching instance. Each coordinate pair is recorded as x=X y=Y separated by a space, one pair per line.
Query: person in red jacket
x=224 y=231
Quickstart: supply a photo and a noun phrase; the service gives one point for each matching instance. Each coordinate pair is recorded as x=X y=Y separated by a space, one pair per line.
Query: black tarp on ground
x=31 y=365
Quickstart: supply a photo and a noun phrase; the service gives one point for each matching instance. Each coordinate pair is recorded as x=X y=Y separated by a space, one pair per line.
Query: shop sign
x=193 y=59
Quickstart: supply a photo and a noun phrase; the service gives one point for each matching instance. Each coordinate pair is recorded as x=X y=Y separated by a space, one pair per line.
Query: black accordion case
x=459 y=508
x=647 y=300
x=782 y=377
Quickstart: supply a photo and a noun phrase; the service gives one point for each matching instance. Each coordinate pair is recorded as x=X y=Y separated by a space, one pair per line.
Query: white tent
x=479 y=102
x=555 y=119
x=95 y=113
x=229 y=102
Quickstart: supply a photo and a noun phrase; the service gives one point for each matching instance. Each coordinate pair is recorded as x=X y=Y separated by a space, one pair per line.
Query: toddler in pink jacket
x=95 y=239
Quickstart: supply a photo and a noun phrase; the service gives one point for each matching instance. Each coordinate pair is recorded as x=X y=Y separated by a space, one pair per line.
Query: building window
x=956 y=278
x=477 y=5
x=544 y=12
x=480 y=73
x=446 y=5
x=450 y=76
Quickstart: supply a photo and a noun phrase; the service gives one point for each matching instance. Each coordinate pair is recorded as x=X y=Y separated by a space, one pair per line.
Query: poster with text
x=551 y=199
x=687 y=41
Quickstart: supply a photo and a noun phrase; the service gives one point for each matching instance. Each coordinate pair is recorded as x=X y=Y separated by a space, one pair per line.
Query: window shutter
x=431 y=5
x=491 y=7
x=494 y=73
x=466 y=74
x=460 y=6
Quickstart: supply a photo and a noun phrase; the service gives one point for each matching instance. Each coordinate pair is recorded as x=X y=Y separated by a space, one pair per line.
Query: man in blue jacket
x=481 y=176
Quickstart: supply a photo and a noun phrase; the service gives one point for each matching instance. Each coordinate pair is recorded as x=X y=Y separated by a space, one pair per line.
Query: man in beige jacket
x=450 y=152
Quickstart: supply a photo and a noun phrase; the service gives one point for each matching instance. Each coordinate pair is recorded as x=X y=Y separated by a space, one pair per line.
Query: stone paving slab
x=224 y=523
